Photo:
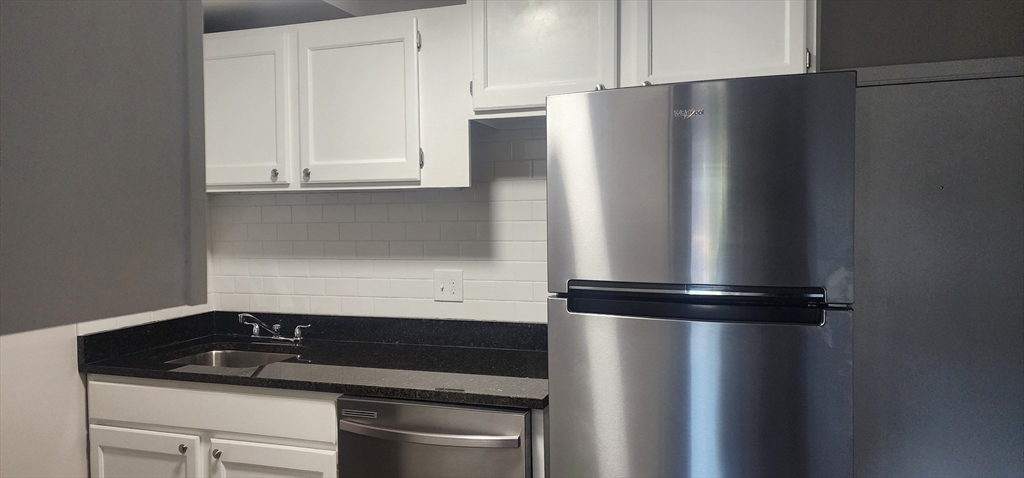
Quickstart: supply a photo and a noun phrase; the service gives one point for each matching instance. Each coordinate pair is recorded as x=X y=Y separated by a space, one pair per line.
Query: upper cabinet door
x=124 y=452
x=250 y=108
x=525 y=51
x=359 y=97
x=703 y=39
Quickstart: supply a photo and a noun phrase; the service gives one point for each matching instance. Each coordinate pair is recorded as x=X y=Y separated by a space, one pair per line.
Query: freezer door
x=740 y=182
x=639 y=397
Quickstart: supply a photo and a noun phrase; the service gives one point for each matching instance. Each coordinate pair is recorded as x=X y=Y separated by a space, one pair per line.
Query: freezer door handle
x=427 y=438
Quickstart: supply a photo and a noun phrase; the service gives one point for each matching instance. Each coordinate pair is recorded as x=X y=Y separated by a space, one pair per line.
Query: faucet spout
x=257 y=324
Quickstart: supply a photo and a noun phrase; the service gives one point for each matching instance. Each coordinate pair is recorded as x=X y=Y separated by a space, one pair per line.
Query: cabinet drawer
x=231 y=409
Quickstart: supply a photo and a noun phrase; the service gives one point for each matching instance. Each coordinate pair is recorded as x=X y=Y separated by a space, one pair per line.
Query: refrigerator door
x=638 y=397
x=740 y=182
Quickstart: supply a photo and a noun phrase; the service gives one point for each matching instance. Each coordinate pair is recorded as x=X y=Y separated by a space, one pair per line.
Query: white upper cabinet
x=250 y=108
x=359 y=98
x=526 y=50
x=355 y=103
x=672 y=41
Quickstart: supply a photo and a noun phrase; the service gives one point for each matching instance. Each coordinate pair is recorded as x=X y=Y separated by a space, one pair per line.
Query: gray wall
x=865 y=33
x=102 y=177
x=939 y=313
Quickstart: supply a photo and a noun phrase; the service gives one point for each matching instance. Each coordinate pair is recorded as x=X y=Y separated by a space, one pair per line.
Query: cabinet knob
x=305 y=174
x=182 y=448
x=599 y=87
x=273 y=173
x=216 y=453
x=646 y=83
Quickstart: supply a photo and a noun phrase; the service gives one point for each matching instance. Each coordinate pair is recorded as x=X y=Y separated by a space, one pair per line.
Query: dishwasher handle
x=427 y=438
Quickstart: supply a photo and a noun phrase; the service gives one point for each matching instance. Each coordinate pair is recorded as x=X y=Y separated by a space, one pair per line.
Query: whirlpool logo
x=686 y=114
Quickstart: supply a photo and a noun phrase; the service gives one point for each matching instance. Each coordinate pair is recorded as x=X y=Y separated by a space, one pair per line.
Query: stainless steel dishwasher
x=405 y=439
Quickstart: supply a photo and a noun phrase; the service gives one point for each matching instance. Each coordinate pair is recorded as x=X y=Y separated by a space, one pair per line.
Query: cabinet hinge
x=807 y=60
x=471 y=88
x=421 y=158
x=419 y=40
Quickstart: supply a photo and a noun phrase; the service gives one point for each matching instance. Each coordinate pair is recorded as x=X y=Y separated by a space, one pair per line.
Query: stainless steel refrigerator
x=700 y=249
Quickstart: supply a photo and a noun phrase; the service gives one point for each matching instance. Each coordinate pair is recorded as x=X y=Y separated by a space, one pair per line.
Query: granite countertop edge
x=467 y=373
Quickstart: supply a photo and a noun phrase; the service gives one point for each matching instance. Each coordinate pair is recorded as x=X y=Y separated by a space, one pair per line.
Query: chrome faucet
x=275 y=331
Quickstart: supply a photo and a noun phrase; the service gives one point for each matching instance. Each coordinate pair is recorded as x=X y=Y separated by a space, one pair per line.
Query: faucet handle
x=298 y=330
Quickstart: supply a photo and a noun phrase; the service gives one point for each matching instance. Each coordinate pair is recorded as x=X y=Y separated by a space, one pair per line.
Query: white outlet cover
x=447 y=285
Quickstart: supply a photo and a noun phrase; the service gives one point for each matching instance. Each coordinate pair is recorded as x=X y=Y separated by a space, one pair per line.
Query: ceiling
x=227 y=15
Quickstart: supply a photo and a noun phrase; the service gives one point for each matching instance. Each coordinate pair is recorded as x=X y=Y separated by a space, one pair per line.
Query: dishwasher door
x=403 y=439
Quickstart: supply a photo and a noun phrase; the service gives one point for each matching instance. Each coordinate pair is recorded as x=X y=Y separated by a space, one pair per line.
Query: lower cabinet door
x=130 y=453
x=232 y=459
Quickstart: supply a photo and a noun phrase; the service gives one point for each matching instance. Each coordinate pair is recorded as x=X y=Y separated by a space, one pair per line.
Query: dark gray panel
x=939 y=335
x=863 y=33
x=756 y=190
x=635 y=397
x=102 y=184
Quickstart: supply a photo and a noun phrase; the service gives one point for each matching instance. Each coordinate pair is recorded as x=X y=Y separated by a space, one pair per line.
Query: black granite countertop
x=462 y=362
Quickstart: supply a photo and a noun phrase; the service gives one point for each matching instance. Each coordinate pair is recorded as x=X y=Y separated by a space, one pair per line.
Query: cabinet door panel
x=359 y=96
x=250 y=109
x=130 y=453
x=704 y=39
x=258 y=460
x=524 y=51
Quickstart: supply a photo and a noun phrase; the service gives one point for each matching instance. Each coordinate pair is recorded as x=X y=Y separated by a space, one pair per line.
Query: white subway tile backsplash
x=371 y=213
x=276 y=214
x=325 y=268
x=307 y=213
x=423 y=231
x=309 y=286
x=373 y=288
x=248 y=285
x=340 y=250
x=323 y=232
x=279 y=285
x=325 y=305
x=261 y=232
x=340 y=287
x=405 y=212
x=292 y=232
x=322 y=198
x=373 y=250
x=261 y=199
x=357 y=306
x=458 y=231
x=389 y=232
x=220 y=284
x=308 y=249
x=293 y=268
x=407 y=250
x=228 y=232
x=441 y=212
x=291 y=304
x=374 y=253
x=529 y=231
x=277 y=249
x=289 y=199
x=355 y=232
x=339 y=213
x=264 y=303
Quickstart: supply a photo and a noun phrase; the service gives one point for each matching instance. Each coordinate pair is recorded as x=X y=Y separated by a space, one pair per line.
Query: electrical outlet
x=447 y=285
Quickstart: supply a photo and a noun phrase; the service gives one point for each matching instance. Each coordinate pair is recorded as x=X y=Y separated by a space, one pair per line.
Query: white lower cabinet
x=123 y=452
x=156 y=428
x=236 y=459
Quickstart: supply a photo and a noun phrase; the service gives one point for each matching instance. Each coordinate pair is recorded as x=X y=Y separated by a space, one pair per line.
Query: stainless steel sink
x=232 y=358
